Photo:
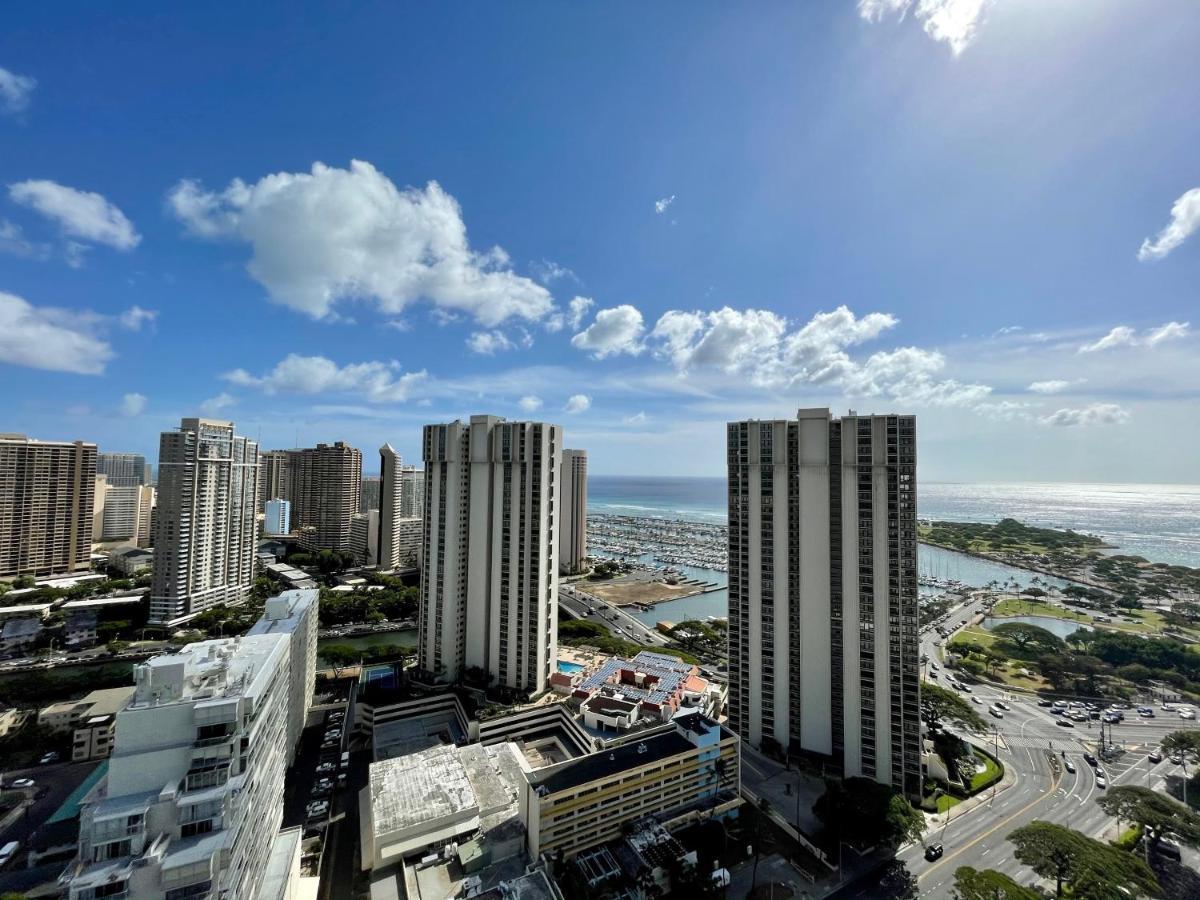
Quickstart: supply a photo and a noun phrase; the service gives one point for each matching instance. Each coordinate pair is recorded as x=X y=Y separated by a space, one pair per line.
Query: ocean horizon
x=1160 y=522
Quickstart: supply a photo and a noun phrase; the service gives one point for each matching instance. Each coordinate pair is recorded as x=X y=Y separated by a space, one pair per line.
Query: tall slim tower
x=412 y=492
x=489 y=583
x=823 y=619
x=390 y=496
x=47 y=499
x=573 y=502
x=206 y=528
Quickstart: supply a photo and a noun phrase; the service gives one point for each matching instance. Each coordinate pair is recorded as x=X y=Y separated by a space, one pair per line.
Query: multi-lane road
x=1036 y=749
x=579 y=605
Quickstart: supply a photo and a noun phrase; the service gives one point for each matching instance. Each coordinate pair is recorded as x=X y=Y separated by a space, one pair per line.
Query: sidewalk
x=939 y=820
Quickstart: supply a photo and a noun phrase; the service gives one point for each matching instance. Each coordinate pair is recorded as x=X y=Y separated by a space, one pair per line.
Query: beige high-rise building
x=206 y=526
x=572 y=492
x=323 y=484
x=823 y=618
x=489 y=580
x=399 y=525
x=124 y=513
x=47 y=491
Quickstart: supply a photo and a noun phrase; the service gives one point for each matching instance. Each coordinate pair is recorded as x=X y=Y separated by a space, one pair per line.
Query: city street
x=616 y=620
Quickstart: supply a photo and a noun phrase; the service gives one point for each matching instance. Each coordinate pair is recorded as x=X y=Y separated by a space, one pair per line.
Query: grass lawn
x=986 y=777
x=946 y=801
x=1014 y=607
x=1006 y=674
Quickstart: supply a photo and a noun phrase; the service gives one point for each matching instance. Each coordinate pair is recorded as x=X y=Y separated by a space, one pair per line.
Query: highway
x=620 y=623
x=1031 y=744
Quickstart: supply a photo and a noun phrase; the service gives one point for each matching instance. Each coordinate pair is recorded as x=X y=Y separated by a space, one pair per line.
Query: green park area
x=1007 y=536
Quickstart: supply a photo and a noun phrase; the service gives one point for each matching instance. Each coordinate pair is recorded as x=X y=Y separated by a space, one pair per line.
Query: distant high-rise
x=412 y=492
x=572 y=492
x=206 y=527
x=277 y=518
x=391 y=485
x=47 y=499
x=126 y=515
x=369 y=498
x=323 y=486
x=122 y=469
x=823 y=619
x=489 y=579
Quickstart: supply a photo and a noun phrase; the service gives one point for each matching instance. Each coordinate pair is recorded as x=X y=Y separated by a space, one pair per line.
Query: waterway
x=1062 y=628
x=361 y=642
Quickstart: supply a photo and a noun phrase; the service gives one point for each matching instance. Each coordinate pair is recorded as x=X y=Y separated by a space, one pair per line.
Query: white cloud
x=954 y=22
x=1185 y=219
x=214 y=405
x=1124 y=336
x=661 y=206
x=614 y=331
x=548 y=271
x=377 y=382
x=1054 y=385
x=578 y=310
x=15 y=91
x=530 y=403
x=1084 y=416
x=12 y=240
x=46 y=338
x=726 y=339
x=134 y=317
x=637 y=419
x=488 y=343
x=577 y=403
x=82 y=214
x=333 y=235
x=133 y=405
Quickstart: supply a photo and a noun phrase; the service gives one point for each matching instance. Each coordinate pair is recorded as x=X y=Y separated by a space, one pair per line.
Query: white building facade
x=823 y=618
x=206 y=527
x=277 y=517
x=294 y=614
x=193 y=797
x=489 y=579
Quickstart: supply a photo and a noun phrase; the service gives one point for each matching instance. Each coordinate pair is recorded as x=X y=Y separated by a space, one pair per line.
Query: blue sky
x=637 y=220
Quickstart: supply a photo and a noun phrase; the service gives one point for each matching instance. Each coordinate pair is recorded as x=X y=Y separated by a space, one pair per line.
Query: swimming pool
x=569 y=667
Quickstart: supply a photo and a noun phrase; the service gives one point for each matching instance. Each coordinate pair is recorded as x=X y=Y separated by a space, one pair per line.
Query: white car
x=1187 y=714
x=24 y=783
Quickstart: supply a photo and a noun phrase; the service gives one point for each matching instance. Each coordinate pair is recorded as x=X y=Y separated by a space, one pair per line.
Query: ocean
x=1159 y=522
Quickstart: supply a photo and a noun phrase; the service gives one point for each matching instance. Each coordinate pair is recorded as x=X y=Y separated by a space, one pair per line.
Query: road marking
x=1024 y=809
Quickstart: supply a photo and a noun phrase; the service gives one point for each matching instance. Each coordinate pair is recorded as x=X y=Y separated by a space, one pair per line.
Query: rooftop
x=206 y=670
x=408 y=791
x=610 y=762
x=661 y=677
x=101 y=601
x=283 y=613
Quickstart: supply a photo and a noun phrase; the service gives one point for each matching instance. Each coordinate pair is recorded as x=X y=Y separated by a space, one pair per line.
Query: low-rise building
x=93 y=738
x=650 y=687
x=130 y=561
x=70 y=714
x=691 y=770
x=20 y=626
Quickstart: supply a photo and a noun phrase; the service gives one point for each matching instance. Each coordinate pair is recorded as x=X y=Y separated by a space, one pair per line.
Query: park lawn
x=946 y=801
x=1014 y=607
x=974 y=634
x=1008 y=673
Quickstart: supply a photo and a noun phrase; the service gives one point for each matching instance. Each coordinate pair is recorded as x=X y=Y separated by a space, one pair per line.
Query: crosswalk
x=1033 y=742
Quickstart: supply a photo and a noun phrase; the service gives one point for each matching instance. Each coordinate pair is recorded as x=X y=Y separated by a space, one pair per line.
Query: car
x=1065 y=723
x=1167 y=849
x=1187 y=714
x=51 y=757
x=1000 y=704
x=1146 y=713
x=1156 y=756
x=8 y=851
x=996 y=713
x=1093 y=714
x=934 y=851
x=1101 y=782
x=1069 y=766
x=975 y=700
x=341 y=779
x=24 y=783
x=933 y=666
x=1177 y=758
x=1078 y=717
x=1044 y=703
x=345 y=759
x=933 y=675
x=325 y=767
x=964 y=687
x=1089 y=759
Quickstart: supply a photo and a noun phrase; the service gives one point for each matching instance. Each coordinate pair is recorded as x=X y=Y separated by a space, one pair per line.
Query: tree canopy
x=865 y=813
x=1025 y=635
x=693 y=633
x=339 y=656
x=988 y=884
x=1184 y=742
x=1155 y=812
x=1092 y=869
x=940 y=706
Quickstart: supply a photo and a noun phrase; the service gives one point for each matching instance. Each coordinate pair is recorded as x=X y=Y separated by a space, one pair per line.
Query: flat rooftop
x=206 y=670
x=410 y=790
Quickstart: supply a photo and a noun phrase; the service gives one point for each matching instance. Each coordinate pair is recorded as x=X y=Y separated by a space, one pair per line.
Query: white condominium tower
x=572 y=488
x=193 y=798
x=823 y=613
x=206 y=528
x=489 y=583
x=122 y=469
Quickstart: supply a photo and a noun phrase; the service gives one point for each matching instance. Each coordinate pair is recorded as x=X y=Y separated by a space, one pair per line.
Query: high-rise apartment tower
x=47 y=498
x=122 y=469
x=323 y=485
x=206 y=527
x=823 y=619
x=489 y=579
x=572 y=492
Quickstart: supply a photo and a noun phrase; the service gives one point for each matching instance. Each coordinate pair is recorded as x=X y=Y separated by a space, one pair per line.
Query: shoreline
x=1012 y=565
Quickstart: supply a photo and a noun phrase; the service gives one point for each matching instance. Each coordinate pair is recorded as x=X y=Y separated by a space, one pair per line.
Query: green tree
x=988 y=884
x=1028 y=636
x=1156 y=813
x=940 y=706
x=865 y=813
x=692 y=633
x=339 y=656
x=1092 y=869
x=1186 y=743
x=897 y=883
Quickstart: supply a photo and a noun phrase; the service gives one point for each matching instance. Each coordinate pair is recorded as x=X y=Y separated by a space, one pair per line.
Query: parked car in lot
x=51 y=757
x=1187 y=714
x=996 y=713
x=1156 y=756
x=1045 y=703
x=24 y=783
x=1101 y=781
x=325 y=767
x=1065 y=723
x=346 y=759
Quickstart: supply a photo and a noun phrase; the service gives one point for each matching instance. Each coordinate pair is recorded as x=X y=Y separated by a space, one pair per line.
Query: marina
x=666 y=541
